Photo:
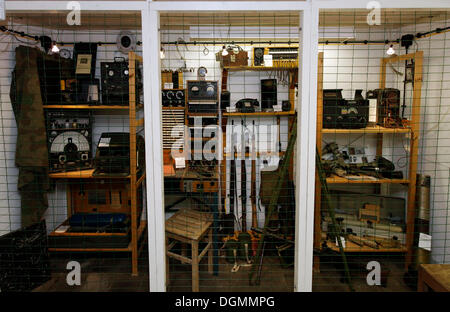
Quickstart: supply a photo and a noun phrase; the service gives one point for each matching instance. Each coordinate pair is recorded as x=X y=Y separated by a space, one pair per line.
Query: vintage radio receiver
x=388 y=107
x=69 y=140
x=203 y=96
x=236 y=57
x=281 y=56
x=115 y=83
x=344 y=114
x=113 y=154
x=173 y=97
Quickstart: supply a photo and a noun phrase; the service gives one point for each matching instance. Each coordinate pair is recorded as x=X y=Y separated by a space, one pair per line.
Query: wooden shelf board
x=260 y=114
x=258 y=68
x=106 y=107
x=365 y=179
x=370 y=129
x=82 y=174
x=203 y=114
x=352 y=247
x=173 y=108
x=127 y=249
x=140 y=231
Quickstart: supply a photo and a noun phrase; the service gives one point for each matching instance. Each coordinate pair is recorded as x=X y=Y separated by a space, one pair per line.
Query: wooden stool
x=434 y=276
x=190 y=227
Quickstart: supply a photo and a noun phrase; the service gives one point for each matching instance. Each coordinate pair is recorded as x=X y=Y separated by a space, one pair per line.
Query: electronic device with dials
x=173 y=97
x=69 y=140
x=203 y=96
x=115 y=82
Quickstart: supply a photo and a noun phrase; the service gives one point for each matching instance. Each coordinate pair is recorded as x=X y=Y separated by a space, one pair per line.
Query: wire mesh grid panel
x=382 y=175
x=73 y=161
x=229 y=98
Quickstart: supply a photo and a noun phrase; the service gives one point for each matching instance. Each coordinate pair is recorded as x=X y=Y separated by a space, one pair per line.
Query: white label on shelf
x=342 y=241
x=180 y=162
x=425 y=241
x=104 y=142
x=372 y=110
x=268 y=62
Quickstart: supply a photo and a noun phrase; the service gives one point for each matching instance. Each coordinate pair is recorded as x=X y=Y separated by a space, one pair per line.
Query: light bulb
x=391 y=50
x=224 y=51
x=55 y=48
x=162 y=54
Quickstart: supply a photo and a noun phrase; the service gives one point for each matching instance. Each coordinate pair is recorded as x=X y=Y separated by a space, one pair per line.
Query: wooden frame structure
x=410 y=181
x=137 y=227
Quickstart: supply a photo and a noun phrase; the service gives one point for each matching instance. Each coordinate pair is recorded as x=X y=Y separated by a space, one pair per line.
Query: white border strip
x=26 y=6
x=154 y=152
x=384 y=4
x=180 y=6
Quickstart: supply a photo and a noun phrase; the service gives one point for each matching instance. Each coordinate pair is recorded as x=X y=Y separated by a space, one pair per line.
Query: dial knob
x=170 y=95
x=179 y=95
x=210 y=90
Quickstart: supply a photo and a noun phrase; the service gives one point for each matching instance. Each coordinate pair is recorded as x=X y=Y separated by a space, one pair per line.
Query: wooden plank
x=368 y=130
x=366 y=180
x=140 y=180
x=318 y=189
x=352 y=247
x=89 y=249
x=205 y=250
x=399 y=58
x=89 y=107
x=434 y=276
x=259 y=68
x=414 y=149
x=139 y=122
x=260 y=114
x=133 y=161
x=179 y=257
x=82 y=174
x=195 y=282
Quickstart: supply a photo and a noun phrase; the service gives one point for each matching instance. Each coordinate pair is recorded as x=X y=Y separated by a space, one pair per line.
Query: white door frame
x=304 y=183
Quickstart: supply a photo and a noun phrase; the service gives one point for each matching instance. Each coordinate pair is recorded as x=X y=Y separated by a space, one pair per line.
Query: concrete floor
x=108 y=272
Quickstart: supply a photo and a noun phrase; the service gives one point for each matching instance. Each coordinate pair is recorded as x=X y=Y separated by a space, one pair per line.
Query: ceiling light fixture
x=224 y=51
x=55 y=48
x=391 y=50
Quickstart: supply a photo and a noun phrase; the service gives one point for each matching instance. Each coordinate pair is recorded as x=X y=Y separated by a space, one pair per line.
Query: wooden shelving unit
x=291 y=114
x=378 y=131
x=137 y=226
x=259 y=114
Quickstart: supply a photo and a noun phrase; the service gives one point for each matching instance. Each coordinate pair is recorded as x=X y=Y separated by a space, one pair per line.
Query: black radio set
x=68 y=138
x=115 y=82
x=342 y=113
x=203 y=96
x=72 y=81
x=113 y=154
x=173 y=97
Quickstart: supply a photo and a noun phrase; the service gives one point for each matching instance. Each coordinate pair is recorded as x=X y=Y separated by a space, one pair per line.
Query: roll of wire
x=422 y=220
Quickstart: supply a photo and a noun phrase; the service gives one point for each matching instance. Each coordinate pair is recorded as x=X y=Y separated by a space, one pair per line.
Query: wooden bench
x=190 y=227
x=435 y=277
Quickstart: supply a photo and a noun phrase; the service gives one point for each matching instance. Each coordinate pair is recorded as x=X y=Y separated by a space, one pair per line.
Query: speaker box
x=268 y=94
x=258 y=56
x=224 y=100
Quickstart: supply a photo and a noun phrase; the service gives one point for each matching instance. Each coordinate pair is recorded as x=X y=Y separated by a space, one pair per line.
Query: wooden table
x=190 y=227
x=435 y=277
